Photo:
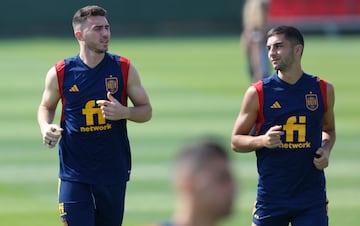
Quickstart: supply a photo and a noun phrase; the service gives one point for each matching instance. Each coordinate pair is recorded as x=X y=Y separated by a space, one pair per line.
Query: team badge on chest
x=112 y=84
x=312 y=102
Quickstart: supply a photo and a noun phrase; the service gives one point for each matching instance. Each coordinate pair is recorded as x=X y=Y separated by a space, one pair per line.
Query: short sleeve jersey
x=92 y=149
x=287 y=174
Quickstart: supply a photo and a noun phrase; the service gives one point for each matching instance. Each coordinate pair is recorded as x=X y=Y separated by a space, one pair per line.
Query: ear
x=299 y=49
x=184 y=183
x=78 y=35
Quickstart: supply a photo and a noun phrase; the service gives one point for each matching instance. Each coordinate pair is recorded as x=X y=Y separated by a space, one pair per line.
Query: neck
x=290 y=76
x=91 y=58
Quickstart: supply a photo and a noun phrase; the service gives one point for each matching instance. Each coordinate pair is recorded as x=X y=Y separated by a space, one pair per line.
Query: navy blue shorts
x=267 y=215
x=91 y=205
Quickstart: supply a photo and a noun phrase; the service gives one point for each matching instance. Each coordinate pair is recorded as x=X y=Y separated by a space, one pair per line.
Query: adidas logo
x=276 y=104
x=74 y=88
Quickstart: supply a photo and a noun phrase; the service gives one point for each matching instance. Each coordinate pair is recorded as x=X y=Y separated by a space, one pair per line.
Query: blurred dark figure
x=255 y=16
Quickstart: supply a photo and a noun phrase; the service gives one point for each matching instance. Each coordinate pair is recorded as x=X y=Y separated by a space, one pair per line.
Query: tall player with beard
x=94 y=150
x=294 y=118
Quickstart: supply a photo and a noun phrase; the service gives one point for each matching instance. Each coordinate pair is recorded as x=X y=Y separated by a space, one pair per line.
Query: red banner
x=321 y=8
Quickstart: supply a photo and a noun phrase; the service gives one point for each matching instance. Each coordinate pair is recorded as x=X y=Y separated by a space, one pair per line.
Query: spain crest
x=312 y=102
x=111 y=84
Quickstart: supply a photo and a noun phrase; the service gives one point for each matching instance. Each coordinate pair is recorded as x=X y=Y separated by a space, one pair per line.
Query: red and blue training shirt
x=92 y=149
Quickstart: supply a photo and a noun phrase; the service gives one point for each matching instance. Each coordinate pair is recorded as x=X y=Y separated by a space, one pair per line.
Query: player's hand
x=112 y=109
x=321 y=160
x=51 y=135
x=272 y=138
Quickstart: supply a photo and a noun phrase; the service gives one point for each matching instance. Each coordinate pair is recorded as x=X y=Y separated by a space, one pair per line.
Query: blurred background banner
x=175 y=17
x=49 y=17
x=329 y=16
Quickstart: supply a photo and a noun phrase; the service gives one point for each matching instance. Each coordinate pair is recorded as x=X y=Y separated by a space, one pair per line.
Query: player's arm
x=141 y=110
x=328 y=133
x=241 y=141
x=47 y=109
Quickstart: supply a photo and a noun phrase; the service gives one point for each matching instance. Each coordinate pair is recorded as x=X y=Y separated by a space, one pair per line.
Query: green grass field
x=196 y=87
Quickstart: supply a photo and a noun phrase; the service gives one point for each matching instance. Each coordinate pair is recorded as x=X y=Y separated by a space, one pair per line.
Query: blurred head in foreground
x=204 y=184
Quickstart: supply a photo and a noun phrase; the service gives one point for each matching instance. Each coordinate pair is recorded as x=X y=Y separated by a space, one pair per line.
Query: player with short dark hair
x=94 y=150
x=295 y=132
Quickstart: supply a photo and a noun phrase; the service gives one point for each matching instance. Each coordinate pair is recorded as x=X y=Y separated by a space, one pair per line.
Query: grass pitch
x=196 y=87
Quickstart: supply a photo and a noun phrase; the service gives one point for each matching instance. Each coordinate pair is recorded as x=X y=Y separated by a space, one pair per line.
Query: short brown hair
x=196 y=156
x=291 y=33
x=82 y=14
